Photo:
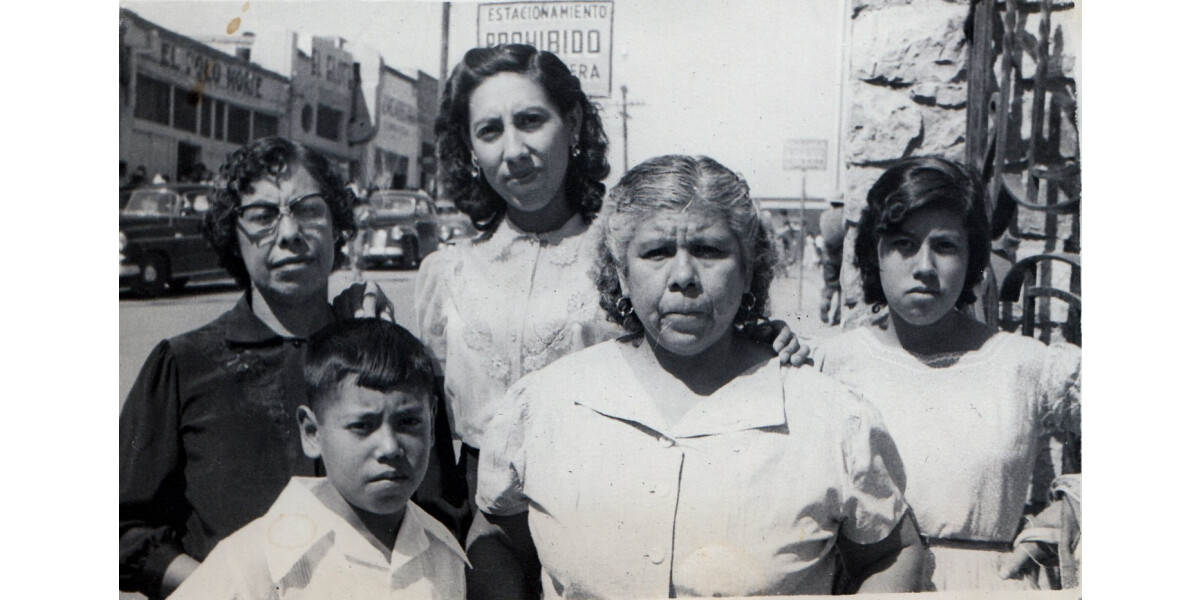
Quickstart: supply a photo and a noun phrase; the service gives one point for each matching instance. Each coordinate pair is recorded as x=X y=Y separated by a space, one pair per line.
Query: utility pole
x=625 y=116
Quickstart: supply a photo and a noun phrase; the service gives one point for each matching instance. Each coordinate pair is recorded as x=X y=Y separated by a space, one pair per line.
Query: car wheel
x=153 y=275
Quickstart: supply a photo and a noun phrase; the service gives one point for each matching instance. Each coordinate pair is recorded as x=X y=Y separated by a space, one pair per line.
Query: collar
x=301 y=529
x=508 y=234
x=243 y=328
x=753 y=400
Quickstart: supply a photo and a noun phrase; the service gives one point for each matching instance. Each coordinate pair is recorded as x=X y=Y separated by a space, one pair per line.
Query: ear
x=621 y=280
x=310 y=432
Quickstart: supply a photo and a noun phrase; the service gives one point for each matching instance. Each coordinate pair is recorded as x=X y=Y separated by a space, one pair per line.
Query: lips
x=393 y=476
x=924 y=291
x=521 y=175
x=291 y=260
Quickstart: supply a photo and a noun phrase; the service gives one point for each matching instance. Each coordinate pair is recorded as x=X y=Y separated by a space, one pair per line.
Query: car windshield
x=152 y=203
x=394 y=204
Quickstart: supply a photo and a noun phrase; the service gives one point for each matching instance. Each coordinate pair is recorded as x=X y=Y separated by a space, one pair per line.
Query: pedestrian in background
x=833 y=234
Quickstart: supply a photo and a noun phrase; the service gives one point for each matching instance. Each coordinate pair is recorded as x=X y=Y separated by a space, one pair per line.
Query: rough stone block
x=906 y=43
x=883 y=124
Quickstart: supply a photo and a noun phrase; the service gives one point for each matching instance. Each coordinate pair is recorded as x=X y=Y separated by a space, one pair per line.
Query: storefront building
x=185 y=106
x=393 y=155
x=328 y=111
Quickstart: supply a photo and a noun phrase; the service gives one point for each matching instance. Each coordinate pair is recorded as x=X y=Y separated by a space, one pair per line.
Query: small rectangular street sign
x=804 y=155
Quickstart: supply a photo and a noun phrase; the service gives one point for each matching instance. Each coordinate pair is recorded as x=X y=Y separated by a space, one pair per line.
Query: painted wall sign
x=580 y=33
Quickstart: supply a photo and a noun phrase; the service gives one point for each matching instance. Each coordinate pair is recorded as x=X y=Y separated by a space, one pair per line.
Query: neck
x=944 y=335
x=707 y=371
x=548 y=218
x=292 y=317
x=380 y=530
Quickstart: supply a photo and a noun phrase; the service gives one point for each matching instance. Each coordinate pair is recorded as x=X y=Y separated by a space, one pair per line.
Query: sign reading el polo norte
x=580 y=33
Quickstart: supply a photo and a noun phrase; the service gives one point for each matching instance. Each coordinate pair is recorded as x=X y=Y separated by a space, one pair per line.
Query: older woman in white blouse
x=682 y=459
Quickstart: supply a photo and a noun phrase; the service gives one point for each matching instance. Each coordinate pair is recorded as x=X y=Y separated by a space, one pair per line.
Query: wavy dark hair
x=915 y=184
x=675 y=182
x=473 y=195
x=270 y=157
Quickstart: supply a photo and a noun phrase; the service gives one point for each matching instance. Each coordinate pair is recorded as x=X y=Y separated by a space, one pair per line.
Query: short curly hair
x=262 y=158
x=675 y=182
x=472 y=194
x=914 y=184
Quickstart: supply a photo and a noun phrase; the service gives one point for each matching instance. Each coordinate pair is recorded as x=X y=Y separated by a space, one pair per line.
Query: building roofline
x=205 y=48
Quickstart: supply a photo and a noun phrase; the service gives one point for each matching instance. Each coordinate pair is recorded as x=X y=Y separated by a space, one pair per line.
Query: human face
x=295 y=261
x=685 y=275
x=521 y=141
x=375 y=445
x=923 y=267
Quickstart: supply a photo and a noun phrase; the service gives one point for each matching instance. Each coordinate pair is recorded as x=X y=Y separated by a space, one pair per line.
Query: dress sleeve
x=501 y=479
x=873 y=475
x=153 y=510
x=432 y=294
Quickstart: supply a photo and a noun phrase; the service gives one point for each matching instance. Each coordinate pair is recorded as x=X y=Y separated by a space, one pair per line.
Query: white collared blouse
x=302 y=550
x=746 y=495
x=493 y=309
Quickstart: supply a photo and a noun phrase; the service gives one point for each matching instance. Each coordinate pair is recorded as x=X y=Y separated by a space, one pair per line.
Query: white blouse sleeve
x=873 y=475
x=501 y=479
x=432 y=295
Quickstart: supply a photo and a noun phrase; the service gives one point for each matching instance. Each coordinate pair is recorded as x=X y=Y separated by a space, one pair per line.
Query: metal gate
x=1023 y=136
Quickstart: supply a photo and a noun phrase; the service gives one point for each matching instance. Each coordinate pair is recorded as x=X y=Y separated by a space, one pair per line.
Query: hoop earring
x=474 y=167
x=749 y=300
x=624 y=307
x=575 y=151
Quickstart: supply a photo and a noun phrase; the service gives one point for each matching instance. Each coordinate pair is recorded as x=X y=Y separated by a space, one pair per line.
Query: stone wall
x=906 y=95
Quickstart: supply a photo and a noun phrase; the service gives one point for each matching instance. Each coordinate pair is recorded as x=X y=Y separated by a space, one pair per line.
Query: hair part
x=378 y=355
x=674 y=183
x=923 y=183
x=472 y=194
x=270 y=158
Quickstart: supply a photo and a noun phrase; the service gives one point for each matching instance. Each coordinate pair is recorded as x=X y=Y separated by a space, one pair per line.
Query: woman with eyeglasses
x=208 y=431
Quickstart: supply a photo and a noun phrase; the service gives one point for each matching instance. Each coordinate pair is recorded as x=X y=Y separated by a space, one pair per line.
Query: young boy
x=354 y=533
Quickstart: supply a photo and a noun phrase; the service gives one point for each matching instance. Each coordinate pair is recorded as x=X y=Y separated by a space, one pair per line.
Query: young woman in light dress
x=974 y=412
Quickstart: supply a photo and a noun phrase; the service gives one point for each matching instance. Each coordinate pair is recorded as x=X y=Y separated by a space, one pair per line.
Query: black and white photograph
x=602 y=299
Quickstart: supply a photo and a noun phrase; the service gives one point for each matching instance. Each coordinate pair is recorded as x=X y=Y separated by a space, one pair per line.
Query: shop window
x=239 y=124
x=185 y=110
x=219 y=119
x=306 y=118
x=153 y=102
x=329 y=122
x=265 y=125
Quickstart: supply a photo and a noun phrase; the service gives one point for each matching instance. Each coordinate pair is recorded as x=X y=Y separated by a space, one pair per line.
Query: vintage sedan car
x=401 y=227
x=453 y=224
x=161 y=241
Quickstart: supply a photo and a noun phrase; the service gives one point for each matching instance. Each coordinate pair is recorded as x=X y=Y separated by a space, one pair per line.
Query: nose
x=923 y=262
x=514 y=145
x=288 y=230
x=684 y=275
x=388 y=447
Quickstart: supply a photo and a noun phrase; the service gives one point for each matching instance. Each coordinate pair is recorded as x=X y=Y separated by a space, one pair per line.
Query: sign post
x=578 y=32
x=804 y=155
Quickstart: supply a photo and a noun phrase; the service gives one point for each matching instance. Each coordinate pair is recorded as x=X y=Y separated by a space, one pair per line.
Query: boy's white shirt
x=302 y=549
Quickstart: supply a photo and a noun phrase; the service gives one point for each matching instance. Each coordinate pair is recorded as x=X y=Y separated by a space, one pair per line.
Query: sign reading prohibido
x=580 y=33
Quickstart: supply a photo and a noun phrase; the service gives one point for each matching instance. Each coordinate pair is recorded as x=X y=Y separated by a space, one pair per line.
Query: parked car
x=453 y=224
x=161 y=242
x=400 y=229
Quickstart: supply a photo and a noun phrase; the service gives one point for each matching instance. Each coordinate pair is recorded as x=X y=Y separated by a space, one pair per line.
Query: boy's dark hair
x=382 y=355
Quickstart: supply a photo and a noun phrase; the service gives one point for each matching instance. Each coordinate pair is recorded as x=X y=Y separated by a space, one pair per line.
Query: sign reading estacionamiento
x=580 y=33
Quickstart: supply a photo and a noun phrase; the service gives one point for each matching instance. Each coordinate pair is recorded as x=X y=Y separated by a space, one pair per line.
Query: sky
x=726 y=78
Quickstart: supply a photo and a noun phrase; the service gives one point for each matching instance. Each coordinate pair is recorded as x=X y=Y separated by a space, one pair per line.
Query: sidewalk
x=796 y=301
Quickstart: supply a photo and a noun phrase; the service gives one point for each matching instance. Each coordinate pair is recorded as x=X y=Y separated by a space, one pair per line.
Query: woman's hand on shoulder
x=363 y=301
x=786 y=344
